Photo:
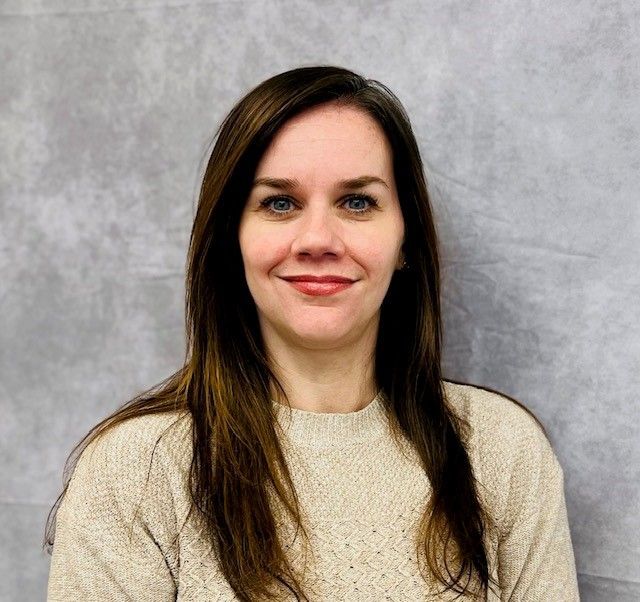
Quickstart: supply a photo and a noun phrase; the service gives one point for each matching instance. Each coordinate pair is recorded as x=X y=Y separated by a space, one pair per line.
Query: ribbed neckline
x=332 y=429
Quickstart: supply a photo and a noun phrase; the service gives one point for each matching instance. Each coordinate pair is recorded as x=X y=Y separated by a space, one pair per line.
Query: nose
x=318 y=233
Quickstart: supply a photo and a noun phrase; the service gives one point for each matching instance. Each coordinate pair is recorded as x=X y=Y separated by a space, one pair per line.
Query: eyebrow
x=290 y=184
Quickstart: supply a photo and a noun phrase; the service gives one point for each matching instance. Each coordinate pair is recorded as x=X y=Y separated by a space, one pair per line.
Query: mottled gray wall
x=528 y=116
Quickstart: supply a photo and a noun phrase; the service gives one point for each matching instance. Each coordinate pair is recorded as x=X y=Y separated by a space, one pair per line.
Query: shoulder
x=507 y=447
x=140 y=457
x=138 y=439
x=492 y=416
x=126 y=498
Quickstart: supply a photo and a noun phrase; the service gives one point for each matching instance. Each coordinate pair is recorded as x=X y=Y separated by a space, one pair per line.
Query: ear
x=401 y=259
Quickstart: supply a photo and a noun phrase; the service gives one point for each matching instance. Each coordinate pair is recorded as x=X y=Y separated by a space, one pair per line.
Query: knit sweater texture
x=361 y=495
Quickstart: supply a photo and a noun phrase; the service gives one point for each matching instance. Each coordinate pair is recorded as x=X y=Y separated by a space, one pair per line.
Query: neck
x=338 y=380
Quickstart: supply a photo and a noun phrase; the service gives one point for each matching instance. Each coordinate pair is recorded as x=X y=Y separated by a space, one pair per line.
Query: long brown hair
x=224 y=383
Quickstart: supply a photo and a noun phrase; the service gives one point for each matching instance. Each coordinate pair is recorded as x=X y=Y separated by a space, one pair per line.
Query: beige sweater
x=361 y=496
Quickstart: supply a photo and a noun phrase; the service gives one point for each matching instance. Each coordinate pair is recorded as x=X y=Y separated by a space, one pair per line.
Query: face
x=324 y=204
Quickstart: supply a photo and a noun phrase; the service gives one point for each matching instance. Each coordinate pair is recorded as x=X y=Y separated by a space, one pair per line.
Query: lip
x=315 y=288
x=323 y=279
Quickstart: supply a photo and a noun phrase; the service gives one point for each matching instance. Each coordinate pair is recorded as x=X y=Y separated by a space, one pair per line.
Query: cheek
x=261 y=253
x=380 y=252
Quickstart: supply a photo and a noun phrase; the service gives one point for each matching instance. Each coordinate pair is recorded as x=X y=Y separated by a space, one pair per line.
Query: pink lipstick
x=319 y=285
x=320 y=288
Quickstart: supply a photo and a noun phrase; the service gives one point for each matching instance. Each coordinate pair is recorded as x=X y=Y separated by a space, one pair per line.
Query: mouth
x=323 y=279
x=319 y=286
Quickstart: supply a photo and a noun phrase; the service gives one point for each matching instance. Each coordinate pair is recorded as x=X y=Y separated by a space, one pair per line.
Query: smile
x=319 y=288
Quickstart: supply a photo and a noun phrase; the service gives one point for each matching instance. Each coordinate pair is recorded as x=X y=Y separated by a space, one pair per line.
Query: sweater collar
x=333 y=429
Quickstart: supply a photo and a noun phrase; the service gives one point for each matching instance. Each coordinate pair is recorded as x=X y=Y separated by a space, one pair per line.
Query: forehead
x=331 y=136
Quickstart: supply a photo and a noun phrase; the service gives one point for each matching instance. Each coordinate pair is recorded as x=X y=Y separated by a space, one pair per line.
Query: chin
x=322 y=338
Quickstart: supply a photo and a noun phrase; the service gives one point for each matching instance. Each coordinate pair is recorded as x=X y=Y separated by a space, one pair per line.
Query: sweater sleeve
x=535 y=555
x=114 y=525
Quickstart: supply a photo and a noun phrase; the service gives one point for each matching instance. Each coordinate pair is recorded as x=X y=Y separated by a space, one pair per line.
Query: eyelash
x=373 y=204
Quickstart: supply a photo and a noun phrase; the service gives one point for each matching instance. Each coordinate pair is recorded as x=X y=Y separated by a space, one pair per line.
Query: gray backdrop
x=528 y=117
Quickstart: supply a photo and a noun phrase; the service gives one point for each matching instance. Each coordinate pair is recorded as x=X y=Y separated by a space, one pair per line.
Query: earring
x=405 y=266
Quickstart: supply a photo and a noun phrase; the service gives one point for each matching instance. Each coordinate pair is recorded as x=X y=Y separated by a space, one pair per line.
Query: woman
x=309 y=448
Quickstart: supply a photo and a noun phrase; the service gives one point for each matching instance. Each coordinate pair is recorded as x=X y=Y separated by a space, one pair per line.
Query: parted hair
x=225 y=382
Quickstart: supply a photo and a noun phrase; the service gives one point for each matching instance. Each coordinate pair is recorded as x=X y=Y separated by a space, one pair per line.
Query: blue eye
x=361 y=199
x=278 y=204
